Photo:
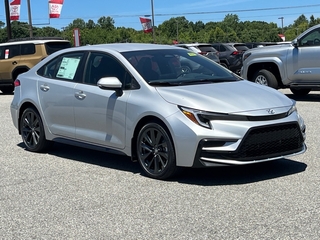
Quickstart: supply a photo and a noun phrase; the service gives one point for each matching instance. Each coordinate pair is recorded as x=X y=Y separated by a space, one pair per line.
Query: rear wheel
x=155 y=151
x=265 y=77
x=300 y=91
x=32 y=131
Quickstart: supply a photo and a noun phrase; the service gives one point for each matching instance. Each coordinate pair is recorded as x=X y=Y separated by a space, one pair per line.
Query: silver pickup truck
x=295 y=65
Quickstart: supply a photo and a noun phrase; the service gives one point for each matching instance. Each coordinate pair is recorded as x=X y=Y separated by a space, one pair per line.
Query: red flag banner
x=282 y=37
x=146 y=24
x=55 y=7
x=15 y=9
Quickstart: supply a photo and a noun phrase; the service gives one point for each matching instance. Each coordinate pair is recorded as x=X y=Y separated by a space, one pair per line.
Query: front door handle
x=80 y=95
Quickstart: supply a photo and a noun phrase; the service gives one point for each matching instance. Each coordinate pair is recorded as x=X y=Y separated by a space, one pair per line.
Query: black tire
x=32 y=131
x=155 y=151
x=265 y=77
x=224 y=65
x=7 y=89
x=300 y=91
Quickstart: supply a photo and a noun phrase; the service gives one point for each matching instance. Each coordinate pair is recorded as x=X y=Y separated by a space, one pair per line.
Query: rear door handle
x=45 y=88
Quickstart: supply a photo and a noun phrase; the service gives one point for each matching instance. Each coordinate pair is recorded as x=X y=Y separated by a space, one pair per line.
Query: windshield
x=177 y=67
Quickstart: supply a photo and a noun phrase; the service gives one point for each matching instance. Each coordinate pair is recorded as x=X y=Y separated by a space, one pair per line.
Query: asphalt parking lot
x=74 y=193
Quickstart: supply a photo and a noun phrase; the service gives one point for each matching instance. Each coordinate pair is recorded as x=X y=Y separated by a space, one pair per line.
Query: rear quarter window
x=52 y=47
x=27 y=49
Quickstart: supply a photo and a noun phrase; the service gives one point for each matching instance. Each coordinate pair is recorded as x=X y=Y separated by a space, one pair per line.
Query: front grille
x=264 y=142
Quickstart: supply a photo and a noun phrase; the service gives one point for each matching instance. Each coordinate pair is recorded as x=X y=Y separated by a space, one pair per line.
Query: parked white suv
x=295 y=65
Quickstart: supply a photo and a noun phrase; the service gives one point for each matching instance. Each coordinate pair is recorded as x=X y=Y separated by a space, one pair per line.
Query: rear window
x=52 y=47
x=241 y=47
x=207 y=48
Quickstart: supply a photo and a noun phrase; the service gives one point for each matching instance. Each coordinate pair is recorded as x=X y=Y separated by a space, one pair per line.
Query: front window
x=311 y=39
x=177 y=67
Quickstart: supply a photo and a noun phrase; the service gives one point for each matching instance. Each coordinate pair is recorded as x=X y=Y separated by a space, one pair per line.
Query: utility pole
x=6 y=4
x=30 y=21
x=153 y=31
x=177 y=31
x=281 y=24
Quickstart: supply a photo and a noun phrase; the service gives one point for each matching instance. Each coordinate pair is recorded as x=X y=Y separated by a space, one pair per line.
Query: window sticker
x=191 y=54
x=68 y=68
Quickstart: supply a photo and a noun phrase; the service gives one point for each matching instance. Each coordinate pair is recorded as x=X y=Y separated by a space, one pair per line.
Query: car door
x=57 y=81
x=304 y=61
x=100 y=115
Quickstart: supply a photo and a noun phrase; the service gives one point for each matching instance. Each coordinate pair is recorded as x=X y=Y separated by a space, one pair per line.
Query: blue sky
x=126 y=12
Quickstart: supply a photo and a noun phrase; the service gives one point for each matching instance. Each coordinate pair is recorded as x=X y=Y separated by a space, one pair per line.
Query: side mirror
x=295 y=43
x=111 y=83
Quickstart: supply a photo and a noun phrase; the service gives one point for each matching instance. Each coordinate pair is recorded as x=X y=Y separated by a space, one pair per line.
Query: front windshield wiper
x=206 y=80
x=162 y=83
x=190 y=82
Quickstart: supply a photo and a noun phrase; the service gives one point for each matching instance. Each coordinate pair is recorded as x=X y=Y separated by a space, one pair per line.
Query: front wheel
x=32 y=131
x=155 y=151
x=265 y=77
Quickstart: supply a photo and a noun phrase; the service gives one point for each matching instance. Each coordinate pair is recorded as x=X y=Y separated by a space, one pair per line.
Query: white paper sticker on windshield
x=68 y=68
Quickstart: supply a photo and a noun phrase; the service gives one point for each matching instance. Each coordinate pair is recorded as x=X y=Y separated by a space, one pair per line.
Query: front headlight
x=196 y=116
x=292 y=109
x=300 y=119
x=245 y=56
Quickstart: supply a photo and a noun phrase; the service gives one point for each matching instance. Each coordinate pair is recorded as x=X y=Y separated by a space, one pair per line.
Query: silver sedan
x=137 y=100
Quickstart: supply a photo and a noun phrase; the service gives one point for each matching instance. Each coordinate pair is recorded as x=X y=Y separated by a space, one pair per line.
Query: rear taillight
x=16 y=83
x=235 y=53
x=203 y=53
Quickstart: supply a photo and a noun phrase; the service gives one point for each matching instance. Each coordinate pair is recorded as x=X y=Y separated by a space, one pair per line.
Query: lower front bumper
x=260 y=144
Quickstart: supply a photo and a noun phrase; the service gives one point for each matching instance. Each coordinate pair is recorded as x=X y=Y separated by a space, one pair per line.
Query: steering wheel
x=316 y=40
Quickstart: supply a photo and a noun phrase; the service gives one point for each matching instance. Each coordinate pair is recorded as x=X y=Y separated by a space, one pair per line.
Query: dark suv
x=230 y=55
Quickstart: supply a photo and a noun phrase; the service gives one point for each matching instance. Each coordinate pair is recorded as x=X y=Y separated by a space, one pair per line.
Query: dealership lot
x=73 y=193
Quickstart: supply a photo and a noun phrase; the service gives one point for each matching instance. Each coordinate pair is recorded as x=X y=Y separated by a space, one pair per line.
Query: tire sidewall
x=269 y=76
x=42 y=140
x=170 y=168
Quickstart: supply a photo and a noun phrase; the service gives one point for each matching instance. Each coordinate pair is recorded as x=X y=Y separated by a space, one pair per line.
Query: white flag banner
x=55 y=7
x=15 y=9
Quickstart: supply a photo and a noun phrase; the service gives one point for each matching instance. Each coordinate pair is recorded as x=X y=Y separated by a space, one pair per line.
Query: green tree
x=20 y=29
x=106 y=23
x=47 y=32
x=90 y=24
x=2 y=24
x=76 y=23
x=301 y=20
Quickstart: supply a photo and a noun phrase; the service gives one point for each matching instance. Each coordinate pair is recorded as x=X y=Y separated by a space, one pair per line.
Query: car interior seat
x=145 y=69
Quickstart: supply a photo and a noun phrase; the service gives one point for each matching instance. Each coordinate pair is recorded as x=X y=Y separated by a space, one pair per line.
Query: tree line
x=231 y=29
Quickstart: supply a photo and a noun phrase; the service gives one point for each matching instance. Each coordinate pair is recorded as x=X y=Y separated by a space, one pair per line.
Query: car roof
x=193 y=44
x=123 y=47
x=35 y=41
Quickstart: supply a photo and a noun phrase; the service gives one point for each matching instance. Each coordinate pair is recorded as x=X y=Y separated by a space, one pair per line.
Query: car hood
x=241 y=97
